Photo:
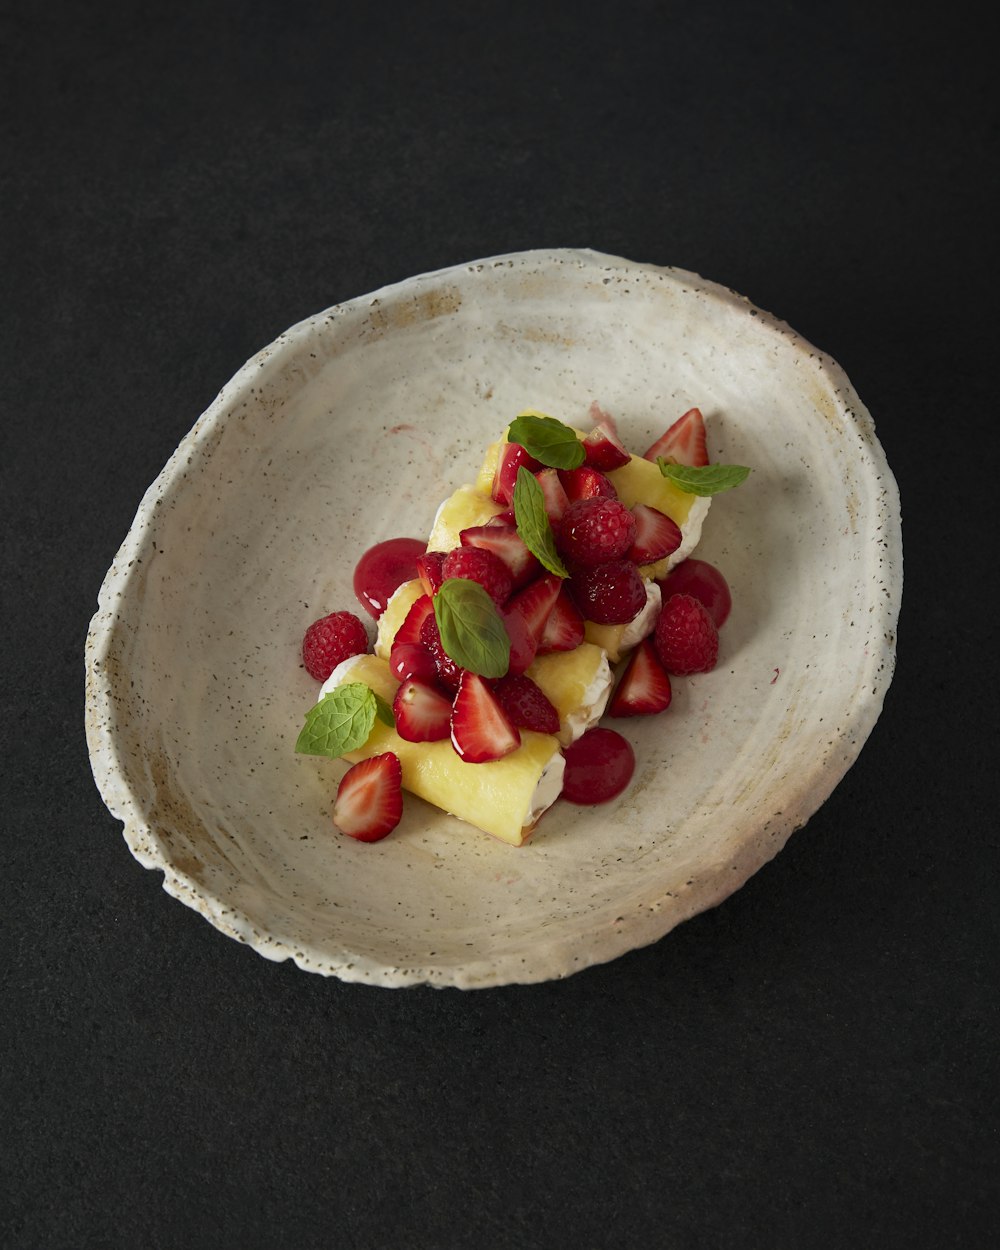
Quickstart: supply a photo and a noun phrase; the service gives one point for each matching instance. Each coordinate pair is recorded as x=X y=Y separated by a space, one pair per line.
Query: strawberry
x=684 y=442
x=523 y=643
x=481 y=565
x=600 y=417
x=564 y=628
x=480 y=729
x=423 y=714
x=449 y=673
x=656 y=535
x=330 y=641
x=554 y=494
x=411 y=659
x=409 y=631
x=604 y=449
x=610 y=593
x=593 y=531
x=429 y=571
x=504 y=541
x=643 y=687
x=686 y=638
x=369 y=800
x=584 y=482
x=526 y=704
x=512 y=456
x=535 y=602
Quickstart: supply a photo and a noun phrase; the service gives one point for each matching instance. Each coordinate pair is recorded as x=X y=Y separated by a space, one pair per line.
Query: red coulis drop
x=599 y=765
x=383 y=569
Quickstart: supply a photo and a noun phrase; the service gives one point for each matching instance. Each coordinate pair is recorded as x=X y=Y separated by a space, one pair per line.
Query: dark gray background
x=811 y=1064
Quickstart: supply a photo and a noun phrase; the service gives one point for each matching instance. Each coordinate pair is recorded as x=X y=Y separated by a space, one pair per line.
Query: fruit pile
x=567 y=553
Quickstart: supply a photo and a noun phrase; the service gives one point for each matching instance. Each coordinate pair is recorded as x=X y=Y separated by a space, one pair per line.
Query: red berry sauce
x=599 y=765
x=383 y=569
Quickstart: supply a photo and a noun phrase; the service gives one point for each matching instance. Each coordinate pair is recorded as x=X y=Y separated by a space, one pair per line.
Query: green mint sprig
x=342 y=721
x=709 y=479
x=548 y=440
x=471 y=627
x=533 y=522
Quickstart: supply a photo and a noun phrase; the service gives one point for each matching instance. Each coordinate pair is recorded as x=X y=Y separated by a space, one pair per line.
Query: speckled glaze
x=350 y=428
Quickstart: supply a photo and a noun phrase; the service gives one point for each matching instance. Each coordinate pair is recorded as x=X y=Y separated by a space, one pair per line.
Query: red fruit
x=535 y=603
x=480 y=565
x=523 y=643
x=554 y=494
x=526 y=704
x=599 y=765
x=449 y=673
x=383 y=569
x=429 y=571
x=422 y=713
x=684 y=442
x=643 y=687
x=585 y=483
x=704 y=582
x=512 y=456
x=564 y=629
x=504 y=541
x=609 y=594
x=656 y=535
x=330 y=641
x=593 y=531
x=686 y=639
x=604 y=449
x=411 y=659
x=480 y=729
x=369 y=800
x=419 y=611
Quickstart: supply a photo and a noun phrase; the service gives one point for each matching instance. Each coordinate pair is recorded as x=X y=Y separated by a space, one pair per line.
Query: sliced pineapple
x=468 y=506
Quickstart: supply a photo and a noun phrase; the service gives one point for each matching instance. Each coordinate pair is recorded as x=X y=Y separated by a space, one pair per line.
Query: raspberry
x=449 y=673
x=526 y=704
x=480 y=565
x=594 y=530
x=609 y=594
x=686 y=638
x=330 y=641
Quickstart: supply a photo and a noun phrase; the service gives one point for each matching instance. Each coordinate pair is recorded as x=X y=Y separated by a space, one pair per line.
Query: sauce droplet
x=383 y=569
x=599 y=765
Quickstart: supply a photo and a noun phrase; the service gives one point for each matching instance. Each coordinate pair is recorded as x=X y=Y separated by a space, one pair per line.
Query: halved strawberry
x=604 y=449
x=480 y=729
x=448 y=672
x=369 y=800
x=512 y=456
x=656 y=535
x=526 y=704
x=523 y=643
x=504 y=541
x=684 y=442
x=419 y=611
x=535 y=602
x=586 y=481
x=564 y=628
x=422 y=713
x=643 y=687
x=554 y=494
x=429 y=571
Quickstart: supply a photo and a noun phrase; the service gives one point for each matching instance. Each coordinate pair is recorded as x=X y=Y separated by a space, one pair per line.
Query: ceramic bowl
x=350 y=428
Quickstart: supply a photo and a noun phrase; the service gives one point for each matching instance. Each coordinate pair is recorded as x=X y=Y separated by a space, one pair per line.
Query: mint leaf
x=340 y=722
x=709 y=479
x=533 y=522
x=384 y=712
x=548 y=440
x=471 y=627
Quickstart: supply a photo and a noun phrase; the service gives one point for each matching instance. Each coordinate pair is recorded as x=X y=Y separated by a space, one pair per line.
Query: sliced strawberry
x=369 y=800
x=526 y=704
x=411 y=659
x=684 y=442
x=512 y=456
x=409 y=631
x=643 y=687
x=564 y=628
x=422 y=713
x=600 y=417
x=535 y=602
x=523 y=643
x=503 y=518
x=584 y=482
x=554 y=494
x=429 y=571
x=480 y=729
x=449 y=673
x=504 y=541
x=656 y=535
x=604 y=449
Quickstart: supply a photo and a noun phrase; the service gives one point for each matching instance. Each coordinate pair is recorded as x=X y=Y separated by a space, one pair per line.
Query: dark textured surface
x=814 y=1062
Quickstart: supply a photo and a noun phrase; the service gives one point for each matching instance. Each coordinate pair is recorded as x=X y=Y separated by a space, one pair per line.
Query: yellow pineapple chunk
x=394 y=615
x=466 y=507
x=576 y=683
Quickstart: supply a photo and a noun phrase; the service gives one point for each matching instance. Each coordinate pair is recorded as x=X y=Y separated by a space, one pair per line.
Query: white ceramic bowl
x=350 y=428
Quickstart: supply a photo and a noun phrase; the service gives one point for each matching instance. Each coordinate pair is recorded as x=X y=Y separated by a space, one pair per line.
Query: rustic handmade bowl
x=350 y=428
